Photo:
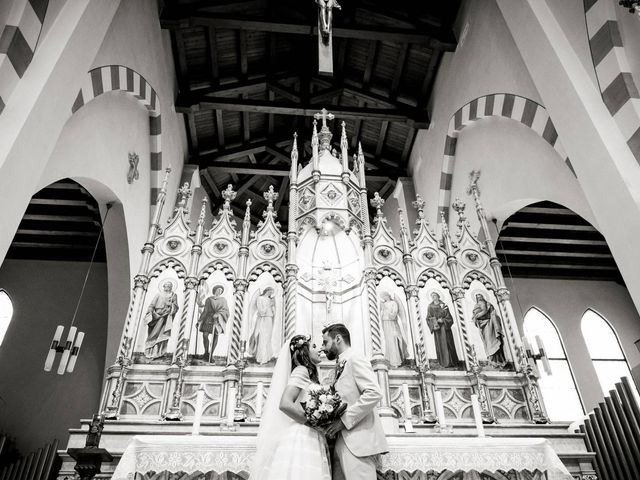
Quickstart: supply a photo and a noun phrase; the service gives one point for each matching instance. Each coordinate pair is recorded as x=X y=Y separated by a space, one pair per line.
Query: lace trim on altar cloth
x=388 y=475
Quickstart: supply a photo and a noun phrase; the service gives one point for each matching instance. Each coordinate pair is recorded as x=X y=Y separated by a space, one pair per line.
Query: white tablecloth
x=234 y=453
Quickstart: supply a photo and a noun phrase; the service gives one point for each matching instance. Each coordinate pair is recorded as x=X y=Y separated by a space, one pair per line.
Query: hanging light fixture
x=71 y=348
x=632 y=5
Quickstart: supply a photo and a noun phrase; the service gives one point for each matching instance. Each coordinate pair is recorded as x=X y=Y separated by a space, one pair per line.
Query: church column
x=134 y=316
x=457 y=293
x=379 y=363
x=418 y=327
x=604 y=163
x=291 y=268
x=240 y=289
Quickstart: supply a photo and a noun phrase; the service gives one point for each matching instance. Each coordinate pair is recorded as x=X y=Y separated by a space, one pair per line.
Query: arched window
x=558 y=389
x=605 y=351
x=6 y=312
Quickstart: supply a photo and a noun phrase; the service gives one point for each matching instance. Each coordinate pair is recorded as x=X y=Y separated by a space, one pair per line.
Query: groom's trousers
x=346 y=466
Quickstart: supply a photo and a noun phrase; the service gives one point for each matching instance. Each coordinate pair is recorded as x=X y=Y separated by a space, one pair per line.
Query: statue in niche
x=159 y=320
x=395 y=338
x=440 y=321
x=261 y=327
x=213 y=319
x=488 y=322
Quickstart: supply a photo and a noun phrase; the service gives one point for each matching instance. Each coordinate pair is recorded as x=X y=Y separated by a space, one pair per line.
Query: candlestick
x=477 y=415
x=440 y=409
x=197 y=418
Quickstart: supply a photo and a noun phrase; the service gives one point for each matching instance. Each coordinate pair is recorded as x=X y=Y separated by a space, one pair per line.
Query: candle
x=231 y=403
x=407 y=401
x=477 y=415
x=259 y=397
x=67 y=351
x=440 y=409
x=197 y=418
x=74 y=352
x=527 y=346
x=48 y=363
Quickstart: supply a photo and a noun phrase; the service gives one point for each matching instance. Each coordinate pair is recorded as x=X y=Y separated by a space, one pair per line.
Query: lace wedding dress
x=286 y=449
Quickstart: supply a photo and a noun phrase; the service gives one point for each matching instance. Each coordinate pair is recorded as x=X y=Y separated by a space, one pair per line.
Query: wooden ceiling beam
x=440 y=37
x=551 y=226
x=213 y=55
x=56 y=233
x=538 y=253
x=562 y=266
x=248 y=169
x=563 y=241
x=283 y=91
x=194 y=103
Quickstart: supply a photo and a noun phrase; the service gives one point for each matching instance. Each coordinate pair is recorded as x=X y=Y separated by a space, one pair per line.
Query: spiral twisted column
x=414 y=315
x=291 y=294
x=188 y=311
x=240 y=289
x=458 y=299
x=374 y=315
x=141 y=282
x=507 y=314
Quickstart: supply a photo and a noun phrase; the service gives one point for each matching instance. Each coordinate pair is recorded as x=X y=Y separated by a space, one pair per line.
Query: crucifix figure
x=328 y=281
x=325 y=23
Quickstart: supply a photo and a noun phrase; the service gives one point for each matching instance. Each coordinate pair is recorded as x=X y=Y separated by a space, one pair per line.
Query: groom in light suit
x=360 y=437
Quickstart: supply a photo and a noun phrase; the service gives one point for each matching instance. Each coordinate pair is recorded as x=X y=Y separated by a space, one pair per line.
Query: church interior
x=188 y=184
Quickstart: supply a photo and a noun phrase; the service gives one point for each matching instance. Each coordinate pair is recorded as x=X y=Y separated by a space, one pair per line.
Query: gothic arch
x=615 y=82
x=506 y=105
x=111 y=78
x=19 y=40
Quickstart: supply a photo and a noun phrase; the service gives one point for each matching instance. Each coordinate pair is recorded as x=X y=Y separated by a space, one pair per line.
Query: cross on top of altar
x=324 y=114
x=325 y=132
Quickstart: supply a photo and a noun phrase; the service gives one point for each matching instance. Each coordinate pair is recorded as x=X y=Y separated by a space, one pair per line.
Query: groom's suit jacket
x=358 y=387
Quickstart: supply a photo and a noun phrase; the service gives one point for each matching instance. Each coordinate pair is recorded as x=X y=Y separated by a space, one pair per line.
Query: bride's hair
x=300 y=357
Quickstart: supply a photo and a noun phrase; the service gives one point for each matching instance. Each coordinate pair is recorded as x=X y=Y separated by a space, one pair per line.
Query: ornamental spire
x=229 y=195
x=325 y=133
x=270 y=196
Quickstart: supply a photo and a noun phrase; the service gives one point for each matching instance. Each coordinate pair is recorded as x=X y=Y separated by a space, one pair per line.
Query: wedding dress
x=286 y=449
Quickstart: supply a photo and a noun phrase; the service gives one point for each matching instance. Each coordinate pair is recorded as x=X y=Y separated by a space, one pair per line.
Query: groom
x=359 y=432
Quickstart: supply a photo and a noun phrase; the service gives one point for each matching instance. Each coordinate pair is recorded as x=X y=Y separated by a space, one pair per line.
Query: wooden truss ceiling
x=62 y=222
x=248 y=78
x=546 y=240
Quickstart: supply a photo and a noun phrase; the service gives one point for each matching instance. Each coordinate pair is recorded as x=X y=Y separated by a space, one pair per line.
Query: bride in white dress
x=287 y=449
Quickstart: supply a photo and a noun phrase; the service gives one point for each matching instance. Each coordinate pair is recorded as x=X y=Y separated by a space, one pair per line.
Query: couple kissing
x=300 y=415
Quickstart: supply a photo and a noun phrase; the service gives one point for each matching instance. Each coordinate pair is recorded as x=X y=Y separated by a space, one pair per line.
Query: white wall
x=36 y=406
x=565 y=301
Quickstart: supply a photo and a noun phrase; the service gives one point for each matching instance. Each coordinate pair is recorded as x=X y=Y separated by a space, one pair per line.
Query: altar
x=171 y=457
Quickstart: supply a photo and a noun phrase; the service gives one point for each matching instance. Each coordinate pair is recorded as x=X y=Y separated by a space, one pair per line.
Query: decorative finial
x=229 y=195
x=403 y=226
x=474 y=176
x=294 y=148
x=419 y=204
x=184 y=193
x=343 y=137
x=270 y=196
x=459 y=207
x=443 y=221
x=325 y=133
x=203 y=211
x=377 y=202
x=247 y=212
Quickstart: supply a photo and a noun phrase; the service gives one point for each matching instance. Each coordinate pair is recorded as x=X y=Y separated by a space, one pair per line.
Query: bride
x=287 y=449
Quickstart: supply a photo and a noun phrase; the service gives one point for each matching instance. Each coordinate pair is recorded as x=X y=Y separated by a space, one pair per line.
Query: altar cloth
x=234 y=453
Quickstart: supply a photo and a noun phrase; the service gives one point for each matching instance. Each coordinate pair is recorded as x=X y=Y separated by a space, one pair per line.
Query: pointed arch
x=605 y=350
x=559 y=390
x=505 y=105
x=6 y=313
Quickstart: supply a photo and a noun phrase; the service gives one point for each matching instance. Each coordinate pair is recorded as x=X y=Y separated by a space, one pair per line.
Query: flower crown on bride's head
x=298 y=342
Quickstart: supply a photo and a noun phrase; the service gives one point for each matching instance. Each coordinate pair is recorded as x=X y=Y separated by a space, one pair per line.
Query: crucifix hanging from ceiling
x=325 y=45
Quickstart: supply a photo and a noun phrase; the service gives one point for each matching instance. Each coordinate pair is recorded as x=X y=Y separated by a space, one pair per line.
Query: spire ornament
x=229 y=195
x=270 y=196
x=325 y=133
x=184 y=193
x=459 y=206
x=203 y=211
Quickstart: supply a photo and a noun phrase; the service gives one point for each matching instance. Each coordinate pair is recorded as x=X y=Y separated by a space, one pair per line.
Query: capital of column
x=503 y=294
x=458 y=293
x=141 y=281
x=240 y=285
x=291 y=270
x=190 y=283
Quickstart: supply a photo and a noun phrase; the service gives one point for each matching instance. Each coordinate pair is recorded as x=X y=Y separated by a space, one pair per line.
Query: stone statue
x=261 y=328
x=488 y=321
x=395 y=339
x=95 y=432
x=325 y=14
x=213 y=319
x=439 y=320
x=159 y=320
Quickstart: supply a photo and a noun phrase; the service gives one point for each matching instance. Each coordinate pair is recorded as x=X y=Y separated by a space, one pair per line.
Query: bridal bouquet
x=323 y=405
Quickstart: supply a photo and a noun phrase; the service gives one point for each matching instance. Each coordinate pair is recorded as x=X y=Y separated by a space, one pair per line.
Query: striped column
x=520 y=109
x=291 y=297
x=617 y=87
x=18 y=42
x=110 y=78
x=188 y=311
